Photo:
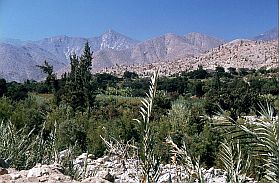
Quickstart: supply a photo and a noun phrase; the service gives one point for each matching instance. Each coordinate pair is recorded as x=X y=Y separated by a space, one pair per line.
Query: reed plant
x=150 y=162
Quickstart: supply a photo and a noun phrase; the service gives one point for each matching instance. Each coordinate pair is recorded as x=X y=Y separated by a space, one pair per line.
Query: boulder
x=38 y=171
x=15 y=176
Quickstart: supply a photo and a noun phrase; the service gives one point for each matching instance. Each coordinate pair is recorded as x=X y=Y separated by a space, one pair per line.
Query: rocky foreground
x=103 y=170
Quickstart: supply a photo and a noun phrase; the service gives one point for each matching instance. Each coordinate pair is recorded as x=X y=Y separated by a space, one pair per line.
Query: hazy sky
x=139 y=19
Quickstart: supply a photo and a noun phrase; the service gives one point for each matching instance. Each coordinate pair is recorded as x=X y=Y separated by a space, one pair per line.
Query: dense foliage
x=80 y=107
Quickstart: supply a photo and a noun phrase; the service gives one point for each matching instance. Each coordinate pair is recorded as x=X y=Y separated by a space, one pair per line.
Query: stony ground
x=103 y=170
x=42 y=173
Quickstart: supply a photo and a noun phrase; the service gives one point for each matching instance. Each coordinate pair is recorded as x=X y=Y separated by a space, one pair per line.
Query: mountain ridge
x=109 y=49
x=239 y=53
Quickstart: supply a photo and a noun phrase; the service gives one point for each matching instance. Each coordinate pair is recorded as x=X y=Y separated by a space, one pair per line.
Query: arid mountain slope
x=18 y=59
x=18 y=63
x=237 y=53
x=110 y=49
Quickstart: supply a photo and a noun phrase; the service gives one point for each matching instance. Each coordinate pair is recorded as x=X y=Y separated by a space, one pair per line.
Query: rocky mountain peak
x=196 y=34
x=170 y=34
x=111 y=32
x=114 y=40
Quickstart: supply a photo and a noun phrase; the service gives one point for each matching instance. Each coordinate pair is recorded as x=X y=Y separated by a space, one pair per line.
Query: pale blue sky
x=139 y=19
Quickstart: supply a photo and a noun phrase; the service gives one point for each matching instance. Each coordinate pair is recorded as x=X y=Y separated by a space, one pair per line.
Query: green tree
x=3 y=87
x=243 y=71
x=105 y=80
x=199 y=73
x=130 y=75
x=80 y=87
x=51 y=77
x=220 y=70
x=232 y=70
x=16 y=91
x=216 y=81
x=199 y=89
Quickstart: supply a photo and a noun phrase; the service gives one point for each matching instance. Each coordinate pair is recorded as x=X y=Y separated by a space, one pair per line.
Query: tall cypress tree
x=74 y=65
x=85 y=67
x=79 y=85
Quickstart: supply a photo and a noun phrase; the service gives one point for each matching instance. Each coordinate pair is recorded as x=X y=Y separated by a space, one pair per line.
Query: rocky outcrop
x=104 y=170
x=39 y=173
x=119 y=170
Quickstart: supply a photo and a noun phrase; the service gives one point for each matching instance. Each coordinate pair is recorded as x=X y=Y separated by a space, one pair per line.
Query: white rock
x=165 y=177
x=15 y=176
x=208 y=176
x=101 y=174
x=91 y=156
x=219 y=180
x=83 y=156
x=57 y=178
x=109 y=164
x=38 y=171
x=210 y=170
x=100 y=160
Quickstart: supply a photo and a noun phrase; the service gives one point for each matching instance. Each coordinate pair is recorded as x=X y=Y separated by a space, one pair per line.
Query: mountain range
x=19 y=59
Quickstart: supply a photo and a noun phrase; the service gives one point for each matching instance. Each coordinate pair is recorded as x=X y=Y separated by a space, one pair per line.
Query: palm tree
x=264 y=130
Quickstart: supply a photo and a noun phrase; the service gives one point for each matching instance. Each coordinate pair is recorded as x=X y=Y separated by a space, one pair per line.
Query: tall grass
x=23 y=149
x=15 y=146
